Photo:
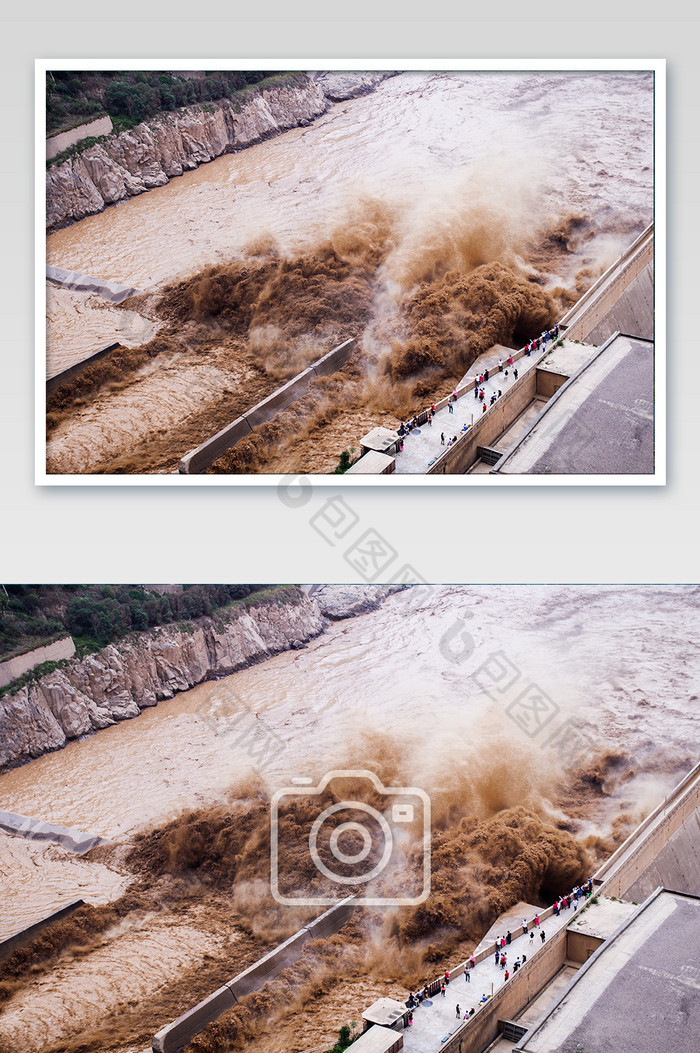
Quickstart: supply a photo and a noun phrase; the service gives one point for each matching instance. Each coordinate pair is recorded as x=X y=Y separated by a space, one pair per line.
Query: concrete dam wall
x=207 y=452
x=175 y=1036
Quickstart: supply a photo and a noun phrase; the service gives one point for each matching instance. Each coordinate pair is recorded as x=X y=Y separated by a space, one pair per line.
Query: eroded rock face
x=122 y=679
x=169 y=144
x=345 y=601
x=340 y=85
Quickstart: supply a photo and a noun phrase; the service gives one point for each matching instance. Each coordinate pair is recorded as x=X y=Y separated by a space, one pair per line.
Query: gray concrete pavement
x=436 y=1019
x=422 y=445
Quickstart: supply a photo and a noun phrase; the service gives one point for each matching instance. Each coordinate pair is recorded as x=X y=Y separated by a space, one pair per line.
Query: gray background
x=516 y=534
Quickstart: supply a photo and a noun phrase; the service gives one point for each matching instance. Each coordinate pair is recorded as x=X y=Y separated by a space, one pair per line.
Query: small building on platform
x=382 y=440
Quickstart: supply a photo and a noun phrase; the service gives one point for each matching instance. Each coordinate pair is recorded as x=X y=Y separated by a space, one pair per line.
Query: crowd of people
x=504 y=369
x=500 y=952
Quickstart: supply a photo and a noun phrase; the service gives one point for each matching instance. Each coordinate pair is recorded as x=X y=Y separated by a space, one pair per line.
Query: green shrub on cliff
x=130 y=96
x=95 y=615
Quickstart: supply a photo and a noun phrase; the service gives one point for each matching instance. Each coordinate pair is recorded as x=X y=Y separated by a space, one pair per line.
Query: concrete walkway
x=436 y=1018
x=422 y=445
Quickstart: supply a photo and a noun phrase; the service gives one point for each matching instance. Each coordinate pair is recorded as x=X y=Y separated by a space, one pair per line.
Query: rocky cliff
x=122 y=679
x=170 y=144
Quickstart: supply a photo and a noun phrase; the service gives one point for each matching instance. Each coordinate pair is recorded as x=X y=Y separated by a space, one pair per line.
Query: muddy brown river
x=470 y=168
x=428 y=689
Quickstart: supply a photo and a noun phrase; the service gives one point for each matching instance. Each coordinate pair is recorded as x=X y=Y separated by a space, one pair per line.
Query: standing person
x=524 y=926
x=450 y=406
x=542 y=935
x=503 y=961
x=500 y=365
x=510 y=360
x=506 y=976
x=486 y=374
x=532 y=936
x=442 y=438
x=508 y=937
x=515 y=373
x=497 y=954
x=410 y=1019
x=457 y=1010
x=537 y=920
x=467 y=975
x=432 y=409
x=447 y=976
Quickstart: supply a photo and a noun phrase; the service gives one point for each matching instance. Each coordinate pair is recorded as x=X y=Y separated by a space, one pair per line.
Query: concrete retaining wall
x=462 y=455
x=269 y=967
x=641 y=850
x=111 y=291
x=19 y=939
x=548 y=383
x=58 y=143
x=676 y=866
x=54 y=383
x=38 y=830
x=176 y=1035
x=581 y=945
x=633 y=313
x=209 y=451
x=20 y=665
x=507 y=1003
x=594 y=305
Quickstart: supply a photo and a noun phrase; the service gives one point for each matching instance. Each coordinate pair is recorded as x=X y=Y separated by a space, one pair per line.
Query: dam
x=349 y=218
x=628 y=907
x=554 y=415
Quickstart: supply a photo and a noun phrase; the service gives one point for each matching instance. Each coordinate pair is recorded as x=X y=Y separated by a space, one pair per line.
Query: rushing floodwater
x=522 y=149
x=622 y=665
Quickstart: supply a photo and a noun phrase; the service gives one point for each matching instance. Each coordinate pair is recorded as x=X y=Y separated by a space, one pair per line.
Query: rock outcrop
x=345 y=601
x=172 y=143
x=339 y=85
x=119 y=681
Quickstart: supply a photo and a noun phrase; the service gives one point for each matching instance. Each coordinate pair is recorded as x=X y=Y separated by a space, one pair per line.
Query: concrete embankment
x=207 y=452
x=622 y=298
x=38 y=830
x=176 y=1035
x=12 y=943
x=111 y=291
x=55 y=383
x=23 y=663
